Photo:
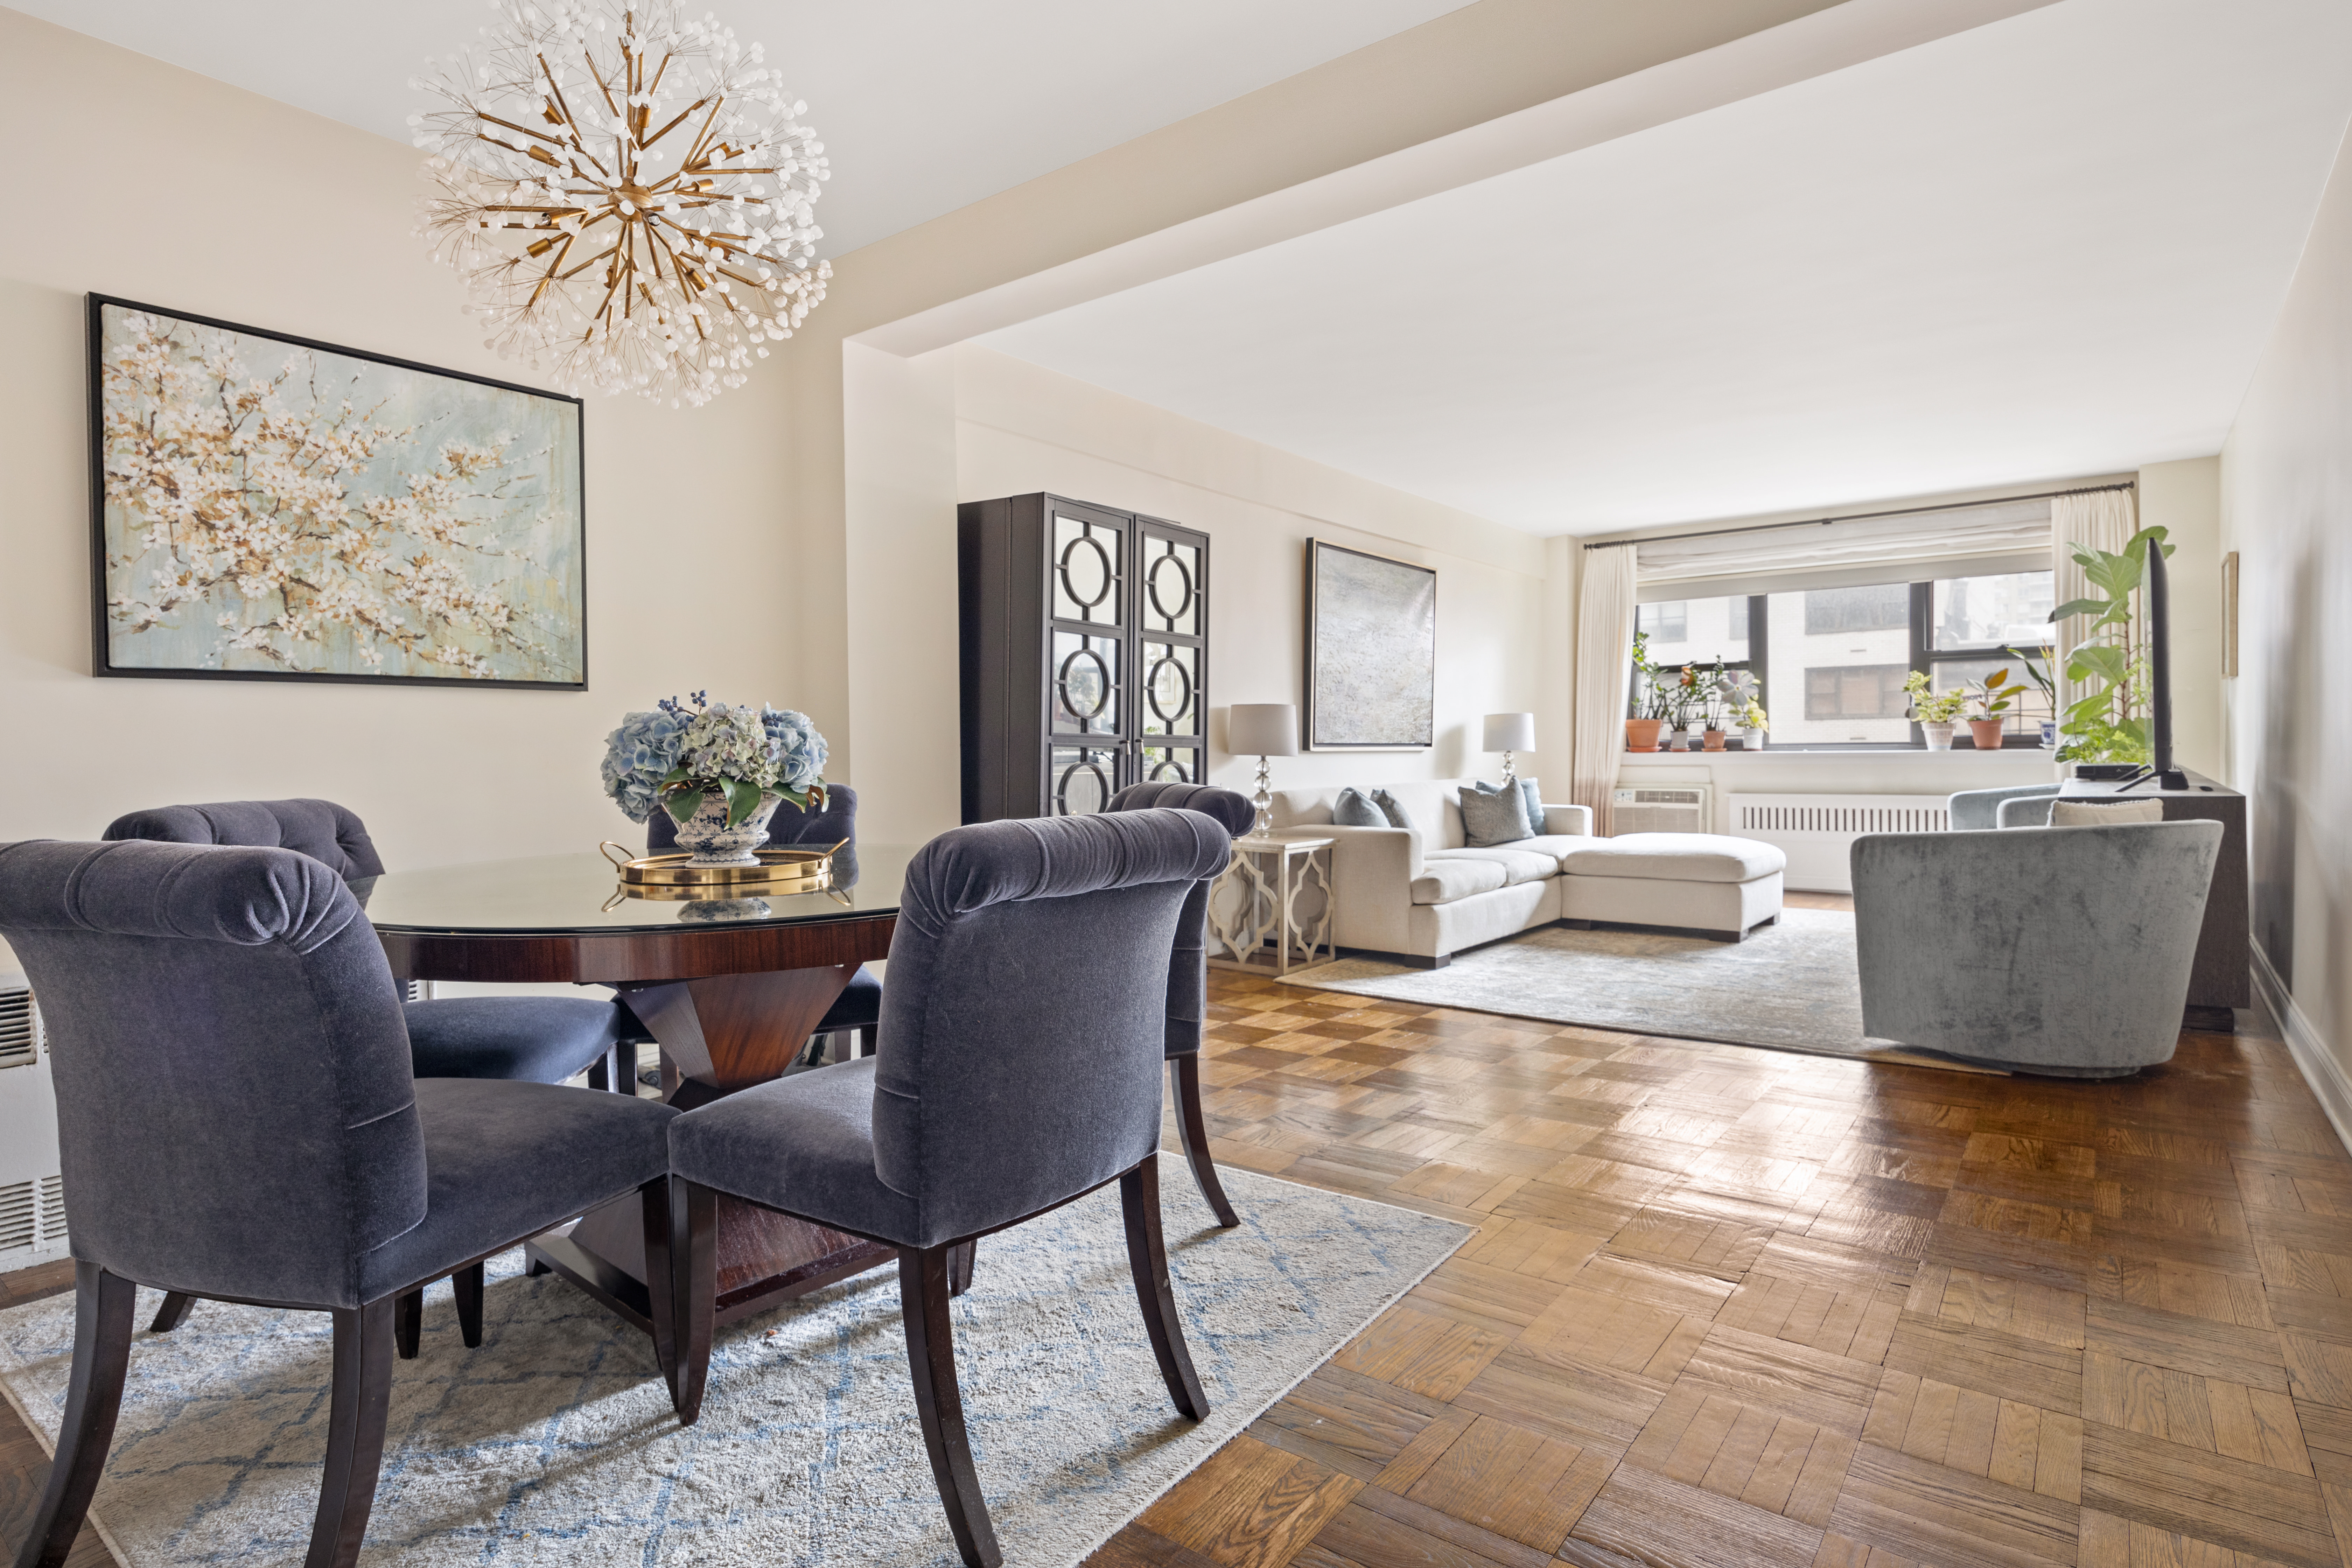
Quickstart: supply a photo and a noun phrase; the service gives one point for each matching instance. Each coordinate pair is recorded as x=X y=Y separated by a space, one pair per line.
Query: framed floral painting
x=266 y=508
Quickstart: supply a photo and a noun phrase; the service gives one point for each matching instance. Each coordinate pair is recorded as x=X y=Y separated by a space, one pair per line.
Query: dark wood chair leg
x=600 y=1073
x=104 y=1305
x=1138 y=1195
x=694 y=1290
x=468 y=1281
x=661 y=1279
x=172 y=1313
x=868 y=1039
x=930 y=1356
x=408 y=1323
x=1186 y=1072
x=355 y=1417
x=961 y=1257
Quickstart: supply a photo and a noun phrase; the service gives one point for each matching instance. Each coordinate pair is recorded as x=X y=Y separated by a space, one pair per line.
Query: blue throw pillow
x=1392 y=808
x=1534 y=793
x=1355 y=809
x=1492 y=814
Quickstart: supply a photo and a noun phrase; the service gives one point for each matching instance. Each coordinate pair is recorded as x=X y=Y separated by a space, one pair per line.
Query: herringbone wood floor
x=1730 y=1306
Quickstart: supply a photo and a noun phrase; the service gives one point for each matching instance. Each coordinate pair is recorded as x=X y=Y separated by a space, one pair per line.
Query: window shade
x=1954 y=542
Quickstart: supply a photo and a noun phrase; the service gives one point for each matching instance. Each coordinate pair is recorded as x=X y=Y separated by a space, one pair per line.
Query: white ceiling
x=2051 y=245
x=924 y=106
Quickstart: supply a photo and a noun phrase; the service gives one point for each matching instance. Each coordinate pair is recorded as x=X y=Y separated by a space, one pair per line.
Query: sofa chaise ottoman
x=1704 y=882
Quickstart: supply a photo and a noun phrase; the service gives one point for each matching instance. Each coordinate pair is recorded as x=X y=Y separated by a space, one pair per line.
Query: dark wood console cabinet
x=1084 y=644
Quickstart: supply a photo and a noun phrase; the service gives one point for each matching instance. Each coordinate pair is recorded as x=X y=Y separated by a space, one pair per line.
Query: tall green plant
x=2109 y=723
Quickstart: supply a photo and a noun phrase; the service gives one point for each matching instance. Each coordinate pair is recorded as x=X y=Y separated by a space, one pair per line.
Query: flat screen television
x=2159 y=664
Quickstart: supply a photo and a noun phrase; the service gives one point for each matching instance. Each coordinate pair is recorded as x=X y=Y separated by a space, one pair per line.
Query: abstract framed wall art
x=1371 y=651
x=267 y=507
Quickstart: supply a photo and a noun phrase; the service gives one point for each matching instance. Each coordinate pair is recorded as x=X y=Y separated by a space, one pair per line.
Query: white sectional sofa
x=1420 y=895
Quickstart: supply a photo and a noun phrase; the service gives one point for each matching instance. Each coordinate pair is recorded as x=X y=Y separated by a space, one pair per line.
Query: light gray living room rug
x=554 y=1442
x=1791 y=986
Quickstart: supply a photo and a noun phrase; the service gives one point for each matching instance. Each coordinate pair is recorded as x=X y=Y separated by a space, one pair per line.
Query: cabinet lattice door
x=1084 y=653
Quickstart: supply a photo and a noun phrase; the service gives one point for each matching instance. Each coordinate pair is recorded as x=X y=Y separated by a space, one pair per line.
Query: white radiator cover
x=32 y=1199
x=1816 y=831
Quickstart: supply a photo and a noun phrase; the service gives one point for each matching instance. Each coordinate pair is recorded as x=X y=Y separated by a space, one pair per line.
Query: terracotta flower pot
x=1714 y=739
x=1642 y=734
x=1987 y=732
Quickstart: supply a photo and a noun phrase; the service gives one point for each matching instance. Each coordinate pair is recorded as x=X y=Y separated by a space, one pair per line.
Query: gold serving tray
x=783 y=870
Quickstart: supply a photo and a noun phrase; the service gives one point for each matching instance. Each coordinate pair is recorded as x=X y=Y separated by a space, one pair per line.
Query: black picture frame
x=1336 y=716
x=102 y=661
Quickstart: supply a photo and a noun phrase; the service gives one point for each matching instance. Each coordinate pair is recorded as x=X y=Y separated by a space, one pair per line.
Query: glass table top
x=573 y=895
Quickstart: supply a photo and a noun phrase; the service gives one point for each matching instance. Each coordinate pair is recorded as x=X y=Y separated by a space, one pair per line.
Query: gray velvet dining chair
x=536 y=1039
x=238 y=1119
x=1188 y=977
x=1023 y=1033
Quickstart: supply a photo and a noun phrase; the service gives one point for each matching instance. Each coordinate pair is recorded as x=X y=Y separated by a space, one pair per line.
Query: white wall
x=236 y=206
x=2286 y=507
x=1016 y=430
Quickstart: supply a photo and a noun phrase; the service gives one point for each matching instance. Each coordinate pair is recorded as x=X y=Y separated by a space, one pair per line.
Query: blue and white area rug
x=554 y=1442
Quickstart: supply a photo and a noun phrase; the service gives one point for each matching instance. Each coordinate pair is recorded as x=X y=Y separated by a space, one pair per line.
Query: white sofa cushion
x=1555 y=846
x=1518 y=865
x=1443 y=880
x=1674 y=857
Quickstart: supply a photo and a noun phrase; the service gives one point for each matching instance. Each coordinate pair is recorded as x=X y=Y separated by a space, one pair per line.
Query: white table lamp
x=1262 y=730
x=1508 y=732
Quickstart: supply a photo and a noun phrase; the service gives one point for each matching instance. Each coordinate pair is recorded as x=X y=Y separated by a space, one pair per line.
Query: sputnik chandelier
x=628 y=192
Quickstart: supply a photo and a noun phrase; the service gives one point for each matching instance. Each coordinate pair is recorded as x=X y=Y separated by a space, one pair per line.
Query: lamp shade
x=1510 y=732
x=1262 y=730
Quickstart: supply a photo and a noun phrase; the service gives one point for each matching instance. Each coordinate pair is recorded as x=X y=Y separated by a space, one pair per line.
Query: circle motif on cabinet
x=1151 y=586
x=1084 y=687
x=1090 y=784
x=1085 y=577
x=1168 y=689
x=1168 y=770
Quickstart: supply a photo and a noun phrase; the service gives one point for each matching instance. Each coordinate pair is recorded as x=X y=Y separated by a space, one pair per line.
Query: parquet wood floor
x=1739 y=1306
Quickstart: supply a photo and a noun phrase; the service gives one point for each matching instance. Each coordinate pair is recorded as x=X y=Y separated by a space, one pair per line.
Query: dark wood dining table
x=731 y=988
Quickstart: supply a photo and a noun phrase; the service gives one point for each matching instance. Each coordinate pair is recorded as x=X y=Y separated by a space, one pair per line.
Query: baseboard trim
x=2330 y=1084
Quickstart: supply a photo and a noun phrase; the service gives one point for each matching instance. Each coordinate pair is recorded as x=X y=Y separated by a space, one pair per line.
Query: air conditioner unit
x=32 y=1197
x=1682 y=808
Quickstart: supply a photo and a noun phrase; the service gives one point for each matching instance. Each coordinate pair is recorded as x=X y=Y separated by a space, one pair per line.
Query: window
x=1831 y=662
x=1886 y=607
x=1665 y=623
x=1842 y=693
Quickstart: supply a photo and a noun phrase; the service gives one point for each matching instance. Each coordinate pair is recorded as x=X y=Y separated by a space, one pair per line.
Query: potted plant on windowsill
x=1649 y=716
x=1992 y=696
x=1714 y=700
x=2038 y=665
x=1935 y=714
x=1743 y=714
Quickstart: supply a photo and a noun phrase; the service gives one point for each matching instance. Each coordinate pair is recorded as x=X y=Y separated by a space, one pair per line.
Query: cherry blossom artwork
x=268 y=507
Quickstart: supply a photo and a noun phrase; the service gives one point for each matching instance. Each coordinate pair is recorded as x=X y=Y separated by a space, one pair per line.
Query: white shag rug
x=554 y=1442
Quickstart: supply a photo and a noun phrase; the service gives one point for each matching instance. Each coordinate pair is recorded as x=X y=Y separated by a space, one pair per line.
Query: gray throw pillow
x=1392 y=808
x=1354 y=808
x=1492 y=814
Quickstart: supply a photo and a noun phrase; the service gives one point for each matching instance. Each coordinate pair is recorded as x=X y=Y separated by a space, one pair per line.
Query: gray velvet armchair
x=1979 y=810
x=2065 y=951
x=1188 y=976
x=238 y=1119
x=1023 y=1033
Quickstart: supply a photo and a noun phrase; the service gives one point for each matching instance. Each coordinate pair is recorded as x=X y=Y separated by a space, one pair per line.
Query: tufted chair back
x=329 y=834
x=1024 y=1023
x=234 y=1106
x=1188 y=968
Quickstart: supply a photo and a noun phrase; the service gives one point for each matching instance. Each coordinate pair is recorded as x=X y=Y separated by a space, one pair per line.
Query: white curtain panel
x=2104 y=520
x=1604 y=663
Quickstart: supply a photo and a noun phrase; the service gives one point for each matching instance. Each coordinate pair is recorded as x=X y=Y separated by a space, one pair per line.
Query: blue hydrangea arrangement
x=672 y=757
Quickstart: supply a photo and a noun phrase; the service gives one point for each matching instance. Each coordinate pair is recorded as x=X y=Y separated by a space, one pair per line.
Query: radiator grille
x=20 y=1029
x=32 y=1214
x=1848 y=817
